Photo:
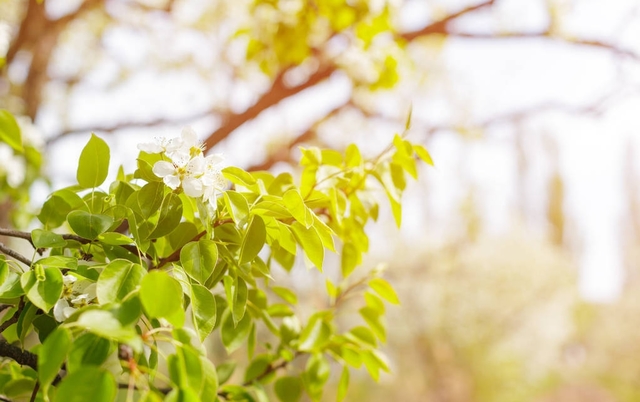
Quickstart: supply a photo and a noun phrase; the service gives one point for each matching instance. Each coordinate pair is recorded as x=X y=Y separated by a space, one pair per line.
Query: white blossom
x=76 y=294
x=185 y=167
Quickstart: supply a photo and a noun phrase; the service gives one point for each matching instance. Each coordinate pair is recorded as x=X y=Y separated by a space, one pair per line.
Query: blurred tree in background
x=262 y=77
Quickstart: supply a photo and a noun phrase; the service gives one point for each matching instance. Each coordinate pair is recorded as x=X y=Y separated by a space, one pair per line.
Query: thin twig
x=35 y=392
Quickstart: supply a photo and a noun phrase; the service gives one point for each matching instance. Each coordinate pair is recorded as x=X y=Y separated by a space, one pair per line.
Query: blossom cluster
x=187 y=167
x=75 y=294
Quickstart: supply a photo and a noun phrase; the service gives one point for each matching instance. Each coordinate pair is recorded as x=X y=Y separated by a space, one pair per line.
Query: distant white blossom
x=185 y=166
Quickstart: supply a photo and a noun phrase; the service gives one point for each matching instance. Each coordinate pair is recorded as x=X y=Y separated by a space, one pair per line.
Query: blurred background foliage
x=492 y=261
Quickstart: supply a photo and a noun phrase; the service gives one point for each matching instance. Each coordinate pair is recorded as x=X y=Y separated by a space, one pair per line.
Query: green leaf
x=88 y=350
x=240 y=296
x=59 y=261
x=364 y=336
x=10 y=286
x=199 y=259
x=295 y=204
x=88 y=225
x=234 y=335
x=45 y=239
x=43 y=293
x=288 y=389
x=238 y=176
x=384 y=289
x=114 y=239
x=286 y=294
x=373 y=319
x=225 y=371
x=253 y=240
x=209 y=391
x=170 y=216
x=93 y=165
x=146 y=201
x=423 y=154
x=237 y=206
x=316 y=375
x=374 y=362
x=203 y=308
x=52 y=354
x=343 y=385
x=311 y=243
x=106 y=325
x=161 y=297
x=10 y=131
x=316 y=334
x=351 y=257
x=257 y=367
x=89 y=384
x=55 y=209
x=118 y=279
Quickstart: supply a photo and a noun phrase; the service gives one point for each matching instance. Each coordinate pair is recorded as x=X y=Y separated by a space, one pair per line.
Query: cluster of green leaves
x=290 y=36
x=171 y=276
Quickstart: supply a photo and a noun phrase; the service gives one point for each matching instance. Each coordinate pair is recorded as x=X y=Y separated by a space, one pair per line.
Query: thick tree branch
x=21 y=356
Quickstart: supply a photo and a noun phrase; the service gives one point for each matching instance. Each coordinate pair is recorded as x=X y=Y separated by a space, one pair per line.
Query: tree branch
x=21 y=356
x=440 y=26
x=15 y=255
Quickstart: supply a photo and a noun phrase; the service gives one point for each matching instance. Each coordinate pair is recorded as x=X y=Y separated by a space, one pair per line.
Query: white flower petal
x=189 y=138
x=192 y=187
x=214 y=159
x=172 y=181
x=58 y=310
x=163 y=168
x=196 y=166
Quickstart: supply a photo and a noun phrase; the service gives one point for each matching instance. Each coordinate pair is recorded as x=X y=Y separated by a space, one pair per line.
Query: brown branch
x=15 y=255
x=279 y=90
x=175 y=256
x=440 y=26
x=21 y=356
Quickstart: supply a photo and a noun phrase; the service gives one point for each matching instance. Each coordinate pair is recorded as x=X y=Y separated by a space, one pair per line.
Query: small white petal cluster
x=75 y=294
x=187 y=168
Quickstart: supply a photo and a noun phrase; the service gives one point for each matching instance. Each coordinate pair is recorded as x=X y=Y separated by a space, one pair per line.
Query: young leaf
x=203 y=308
x=10 y=131
x=199 y=259
x=343 y=385
x=93 y=165
x=52 y=354
x=385 y=290
x=237 y=206
x=106 y=325
x=253 y=240
x=170 y=216
x=118 y=279
x=89 y=384
x=288 y=389
x=310 y=242
x=161 y=297
x=316 y=334
x=45 y=239
x=233 y=335
x=89 y=225
x=43 y=292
